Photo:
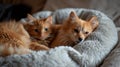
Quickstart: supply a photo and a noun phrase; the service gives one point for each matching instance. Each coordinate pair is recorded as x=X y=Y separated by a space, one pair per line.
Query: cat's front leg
x=35 y=46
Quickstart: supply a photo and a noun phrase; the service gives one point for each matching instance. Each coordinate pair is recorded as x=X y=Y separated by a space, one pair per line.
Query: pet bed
x=89 y=53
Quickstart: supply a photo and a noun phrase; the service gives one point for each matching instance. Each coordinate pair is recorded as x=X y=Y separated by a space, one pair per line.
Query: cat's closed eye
x=76 y=30
x=36 y=30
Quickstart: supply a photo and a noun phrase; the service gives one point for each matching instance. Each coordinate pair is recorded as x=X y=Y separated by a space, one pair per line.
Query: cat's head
x=76 y=29
x=39 y=28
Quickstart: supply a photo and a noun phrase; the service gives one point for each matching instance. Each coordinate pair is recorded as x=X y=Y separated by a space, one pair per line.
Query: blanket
x=89 y=53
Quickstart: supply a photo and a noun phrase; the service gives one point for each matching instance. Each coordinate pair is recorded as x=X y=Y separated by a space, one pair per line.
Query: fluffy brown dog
x=74 y=30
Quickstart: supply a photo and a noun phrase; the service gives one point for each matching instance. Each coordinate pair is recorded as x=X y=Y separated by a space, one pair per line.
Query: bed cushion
x=113 y=59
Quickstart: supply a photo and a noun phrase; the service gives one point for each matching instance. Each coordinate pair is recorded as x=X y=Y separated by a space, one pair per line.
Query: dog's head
x=76 y=29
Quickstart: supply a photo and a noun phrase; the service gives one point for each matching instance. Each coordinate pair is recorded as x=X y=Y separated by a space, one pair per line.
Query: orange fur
x=36 y=46
x=14 y=39
x=42 y=30
x=74 y=30
x=39 y=28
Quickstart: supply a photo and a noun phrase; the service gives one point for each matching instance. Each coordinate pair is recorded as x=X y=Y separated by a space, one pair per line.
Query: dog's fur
x=74 y=30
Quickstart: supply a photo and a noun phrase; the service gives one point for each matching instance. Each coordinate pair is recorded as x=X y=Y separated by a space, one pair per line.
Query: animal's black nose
x=80 y=39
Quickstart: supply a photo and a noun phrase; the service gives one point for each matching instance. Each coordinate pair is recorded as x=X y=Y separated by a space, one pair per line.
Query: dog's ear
x=73 y=16
x=49 y=19
x=94 y=21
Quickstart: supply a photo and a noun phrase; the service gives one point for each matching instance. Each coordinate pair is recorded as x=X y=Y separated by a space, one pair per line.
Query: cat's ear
x=94 y=21
x=30 y=17
x=49 y=19
x=73 y=16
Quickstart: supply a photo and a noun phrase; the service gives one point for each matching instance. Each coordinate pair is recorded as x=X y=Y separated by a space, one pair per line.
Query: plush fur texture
x=14 y=39
x=89 y=53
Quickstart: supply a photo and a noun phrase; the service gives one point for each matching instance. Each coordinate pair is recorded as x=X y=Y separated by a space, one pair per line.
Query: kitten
x=74 y=30
x=14 y=39
x=41 y=30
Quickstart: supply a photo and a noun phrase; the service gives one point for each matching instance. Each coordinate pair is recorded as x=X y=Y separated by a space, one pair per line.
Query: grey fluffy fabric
x=113 y=60
x=89 y=53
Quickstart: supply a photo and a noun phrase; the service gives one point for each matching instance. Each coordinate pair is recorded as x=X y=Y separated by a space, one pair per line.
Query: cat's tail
x=118 y=29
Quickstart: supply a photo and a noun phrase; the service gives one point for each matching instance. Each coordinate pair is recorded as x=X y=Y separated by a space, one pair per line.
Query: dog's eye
x=76 y=30
x=46 y=29
x=36 y=30
x=86 y=32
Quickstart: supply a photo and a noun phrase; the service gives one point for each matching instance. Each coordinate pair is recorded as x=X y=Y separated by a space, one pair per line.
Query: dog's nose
x=80 y=39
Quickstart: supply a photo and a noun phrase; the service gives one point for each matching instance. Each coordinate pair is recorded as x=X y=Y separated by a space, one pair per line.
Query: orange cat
x=39 y=28
x=42 y=30
x=14 y=39
x=74 y=30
